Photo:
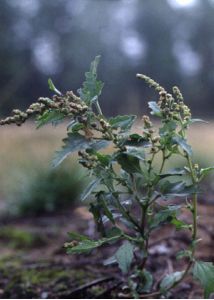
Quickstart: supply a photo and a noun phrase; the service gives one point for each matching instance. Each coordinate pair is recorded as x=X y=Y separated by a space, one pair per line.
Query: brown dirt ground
x=41 y=269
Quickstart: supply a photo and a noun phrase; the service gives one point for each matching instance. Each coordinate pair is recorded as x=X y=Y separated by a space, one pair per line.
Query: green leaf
x=191 y=121
x=129 y=163
x=88 y=190
x=204 y=272
x=165 y=215
x=104 y=159
x=106 y=211
x=75 y=142
x=123 y=122
x=92 y=88
x=124 y=256
x=53 y=88
x=75 y=127
x=147 y=282
x=168 y=128
x=170 y=280
x=173 y=172
x=204 y=172
x=176 y=189
x=95 y=209
x=179 y=224
x=49 y=116
x=155 y=109
x=86 y=245
x=183 y=144
x=136 y=140
x=135 y=152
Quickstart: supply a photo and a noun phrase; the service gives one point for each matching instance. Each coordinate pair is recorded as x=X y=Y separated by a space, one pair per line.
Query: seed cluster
x=86 y=160
x=69 y=104
x=172 y=108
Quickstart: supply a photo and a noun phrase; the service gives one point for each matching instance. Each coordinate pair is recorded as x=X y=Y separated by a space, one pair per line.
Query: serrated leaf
x=49 y=116
x=124 y=256
x=53 y=88
x=170 y=280
x=92 y=88
x=204 y=272
x=183 y=144
x=123 y=122
x=89 y=189
x=75 y=142
x=155 y=109
x=129 y=163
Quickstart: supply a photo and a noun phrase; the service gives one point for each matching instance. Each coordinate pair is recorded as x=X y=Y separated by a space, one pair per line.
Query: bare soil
x=38 y=267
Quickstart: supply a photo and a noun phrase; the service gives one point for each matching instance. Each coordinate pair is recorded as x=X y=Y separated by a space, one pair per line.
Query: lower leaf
x=204 y=272
x=169 y=281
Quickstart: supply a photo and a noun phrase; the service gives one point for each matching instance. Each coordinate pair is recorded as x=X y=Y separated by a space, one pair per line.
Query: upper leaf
x=123 y=122
x=191 y=121
x=129 y=163
x=204 y=172
x=124 y=256
x=92 y=87
x=53 y=88
x=92 y=185
x=183 y=144
x=155 y=109
x=204 y=272
x=75 y=142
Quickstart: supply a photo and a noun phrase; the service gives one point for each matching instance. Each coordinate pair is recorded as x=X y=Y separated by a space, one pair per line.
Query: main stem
x=194 y=230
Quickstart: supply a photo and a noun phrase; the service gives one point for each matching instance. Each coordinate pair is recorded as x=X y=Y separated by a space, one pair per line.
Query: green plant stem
x=99 y=110
x=194 y=231
x=163 y=162
x=143 y=218
x=126 y=214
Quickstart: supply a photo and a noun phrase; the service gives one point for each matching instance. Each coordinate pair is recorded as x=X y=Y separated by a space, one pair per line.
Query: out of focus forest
x=171 y=41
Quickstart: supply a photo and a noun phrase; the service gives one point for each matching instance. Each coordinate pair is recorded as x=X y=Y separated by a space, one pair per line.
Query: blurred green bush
x=44 y=191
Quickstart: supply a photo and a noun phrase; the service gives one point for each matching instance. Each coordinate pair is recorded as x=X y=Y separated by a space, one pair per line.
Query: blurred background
x=170 y=40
